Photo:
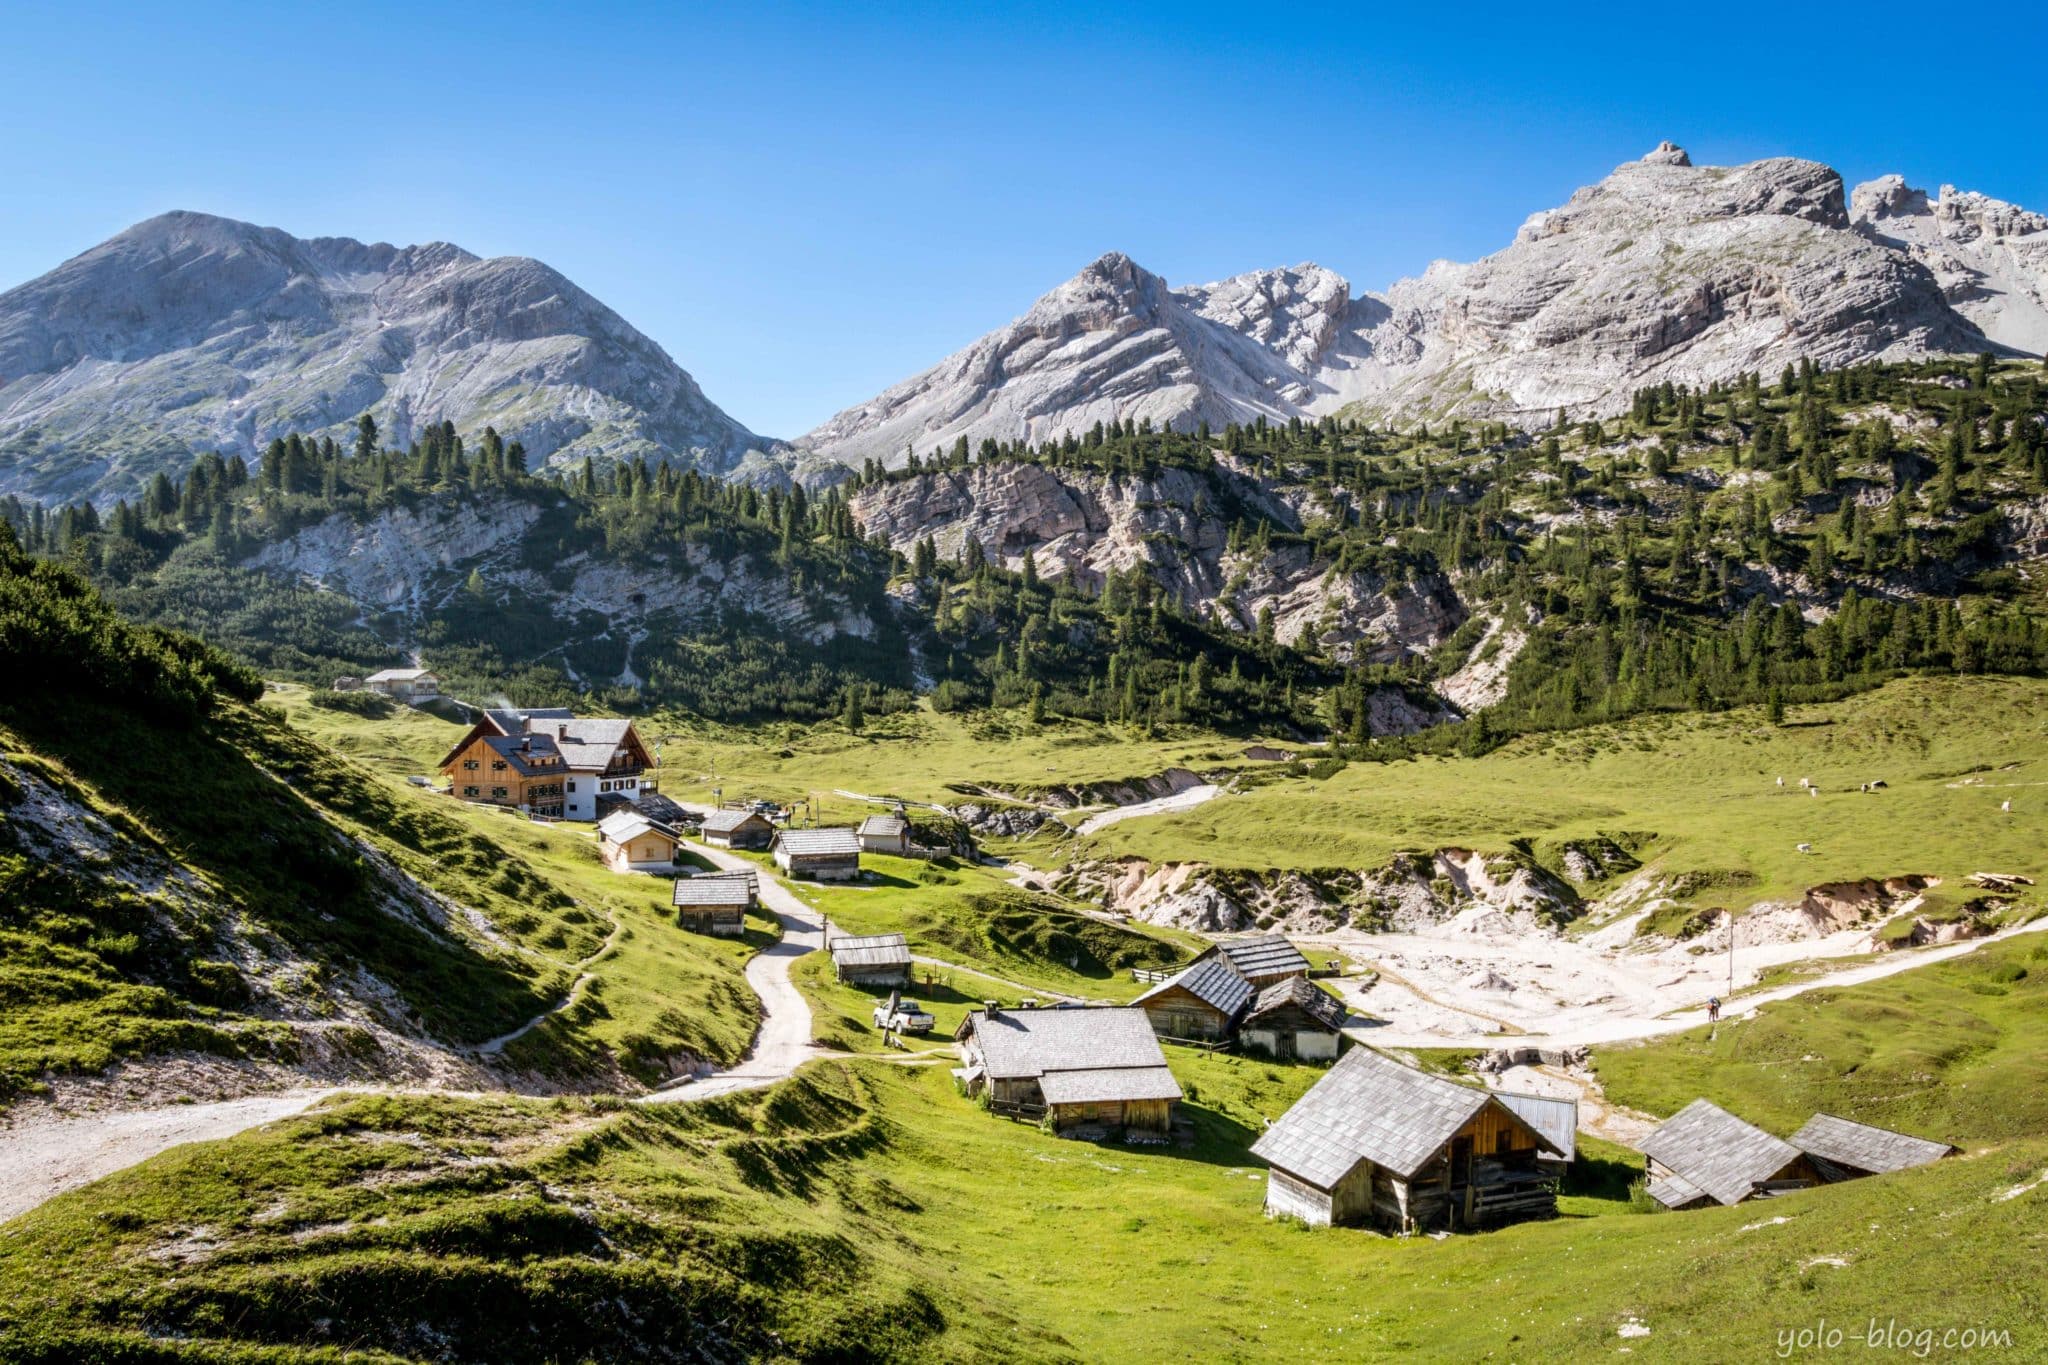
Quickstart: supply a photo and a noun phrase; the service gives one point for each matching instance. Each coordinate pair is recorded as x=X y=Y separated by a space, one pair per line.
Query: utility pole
x=1731 y=954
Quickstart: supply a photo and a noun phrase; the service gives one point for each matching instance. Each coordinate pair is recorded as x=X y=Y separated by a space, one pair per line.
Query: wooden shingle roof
x=726 y=821
x=1372 y=1108
x=819 y=843
x=1106 y=1084
x=870 y=950
x=732 y=888
x=1717 y=1153
x=1877 y=1150
x=1266 y=955
x=1302 y=993
x=1213 y=981
x=1029 y=1043
x=885 y=826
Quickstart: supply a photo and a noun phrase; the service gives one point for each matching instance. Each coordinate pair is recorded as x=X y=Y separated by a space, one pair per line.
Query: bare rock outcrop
x=1083 y=525
x=1990 y=257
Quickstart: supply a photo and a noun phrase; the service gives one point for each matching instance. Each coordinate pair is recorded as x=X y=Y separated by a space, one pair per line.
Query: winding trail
x=782 y=1043
x=575 y=991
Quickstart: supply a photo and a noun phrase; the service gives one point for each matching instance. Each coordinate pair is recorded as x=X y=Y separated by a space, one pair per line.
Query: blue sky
x=806 y=203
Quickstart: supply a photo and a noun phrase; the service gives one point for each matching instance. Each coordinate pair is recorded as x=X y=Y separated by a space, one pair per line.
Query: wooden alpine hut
x=1380 y=1143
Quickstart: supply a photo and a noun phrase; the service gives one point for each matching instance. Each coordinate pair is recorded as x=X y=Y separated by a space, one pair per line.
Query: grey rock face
x=1662 y=271
x=189 y=332
x=1082 y=525
x=1990 y=257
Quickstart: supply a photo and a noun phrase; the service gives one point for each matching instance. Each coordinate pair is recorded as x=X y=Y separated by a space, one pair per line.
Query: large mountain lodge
x=548 y=763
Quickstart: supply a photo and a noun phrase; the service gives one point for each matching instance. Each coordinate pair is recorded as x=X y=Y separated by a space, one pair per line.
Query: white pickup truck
x=897 y=1015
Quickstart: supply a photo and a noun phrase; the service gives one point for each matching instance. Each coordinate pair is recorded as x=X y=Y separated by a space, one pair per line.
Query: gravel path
x=1187 y=800
x=783 y=1041
x=43 y=1158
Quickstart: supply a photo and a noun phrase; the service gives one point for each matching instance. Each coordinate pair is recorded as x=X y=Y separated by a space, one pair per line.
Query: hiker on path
x=1713 y=1009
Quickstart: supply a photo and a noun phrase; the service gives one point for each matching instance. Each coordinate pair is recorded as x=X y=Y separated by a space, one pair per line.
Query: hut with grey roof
x=1084 y=1068
x=1293 y=1018
x=1704 y=1155
x=717 y=903
x=1842 y=1149
x=1264 y=959
x=870 y=959
x=822 y=855
x=737 y=829
x=885 y=834
x=1381 y=1143
x=1200 y=1004
x=630 y=842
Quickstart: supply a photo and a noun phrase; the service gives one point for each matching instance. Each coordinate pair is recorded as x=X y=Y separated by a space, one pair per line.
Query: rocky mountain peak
x=190 y=332
x=1668 y=153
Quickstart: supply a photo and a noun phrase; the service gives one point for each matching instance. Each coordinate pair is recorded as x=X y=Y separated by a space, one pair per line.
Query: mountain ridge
x=191 y=332
x=1584 y=305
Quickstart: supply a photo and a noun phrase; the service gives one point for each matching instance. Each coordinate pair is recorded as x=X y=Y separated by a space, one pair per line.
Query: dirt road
x=783 y=1041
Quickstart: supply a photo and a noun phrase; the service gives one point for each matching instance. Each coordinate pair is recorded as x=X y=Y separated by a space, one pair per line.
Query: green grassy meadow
x=866 y=1208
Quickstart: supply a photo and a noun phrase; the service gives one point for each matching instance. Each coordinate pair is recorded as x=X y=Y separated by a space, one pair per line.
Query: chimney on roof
x=562 y=730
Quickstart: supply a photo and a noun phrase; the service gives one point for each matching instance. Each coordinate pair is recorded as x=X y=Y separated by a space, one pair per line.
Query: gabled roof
x=812 y=843
x=1717 y=1153
x=870 y=950
x=1866 y=1148
x=1373 y=1108
x=885 y=826
x=1266 y=955
x=588 y=745
x=1025 y=1044
x=1213 y=981
x=726 y=821
x=725 y=889
x=622 y=825
x=399 y=675
x=1299 y=991
x=520 y=752
x=1557 y=1119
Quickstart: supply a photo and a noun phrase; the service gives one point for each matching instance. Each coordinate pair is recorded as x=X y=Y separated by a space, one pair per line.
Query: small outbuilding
x=737 y=829
x=1200 y=1004
x=1842 y=1149
x=885 y=834
x=1085 y=1067
x=630 y=842
x=717 y=903
x=871 y=960
x=822 y=855
x=1294 y=1018
x=1704 y=1155
x=1264 y=959
x=1381 y=1143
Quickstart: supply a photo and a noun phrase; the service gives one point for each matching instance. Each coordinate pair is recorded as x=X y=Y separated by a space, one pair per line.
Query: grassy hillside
x=866 y=1209
x=1952 y=1050
x=181 y=870
x=1705 y=786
